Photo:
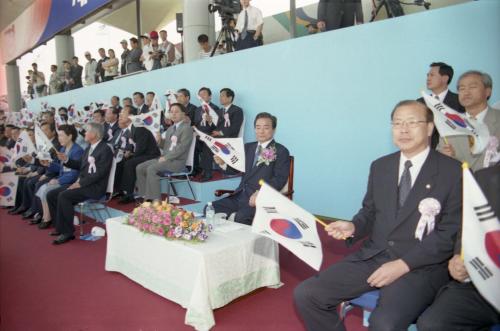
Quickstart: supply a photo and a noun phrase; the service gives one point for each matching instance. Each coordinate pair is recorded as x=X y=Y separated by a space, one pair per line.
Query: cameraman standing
x=249 y=24
x=157 y=50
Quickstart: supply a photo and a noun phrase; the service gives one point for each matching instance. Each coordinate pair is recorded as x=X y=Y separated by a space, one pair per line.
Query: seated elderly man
x=176 y=145
x=94 y=167
x=265 y=159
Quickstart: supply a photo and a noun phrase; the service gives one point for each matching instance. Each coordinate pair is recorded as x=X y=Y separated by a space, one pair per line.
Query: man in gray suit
x=407 y=263
x=176 y=146
x=474 y=90
x=133 y=58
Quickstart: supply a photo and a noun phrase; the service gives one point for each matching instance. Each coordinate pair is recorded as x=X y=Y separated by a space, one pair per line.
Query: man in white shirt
x=474 y=90
x=147 y=52
x=90 y=69
x=168 y=49
x=205 y=47
x=249 y=24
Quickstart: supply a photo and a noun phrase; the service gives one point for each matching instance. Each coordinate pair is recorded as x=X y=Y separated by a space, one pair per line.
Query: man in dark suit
x=273 y=170
x=184 y=98
x=94 y=169
x=438 y=80
x=75 y=74
x=228 y=126
x=142 y=146
x=459 y=306
x=142 y=108
x=407 y=263
x=111 y=128
x=336 y=14
x=206 y=124
x=100 y=71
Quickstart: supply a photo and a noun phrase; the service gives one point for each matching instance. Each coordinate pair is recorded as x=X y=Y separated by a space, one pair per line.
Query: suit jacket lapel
x=422 y=187
x=256 y=168
x=390 y=190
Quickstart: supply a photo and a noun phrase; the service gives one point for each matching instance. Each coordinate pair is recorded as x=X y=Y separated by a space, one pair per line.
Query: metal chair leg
x=81 y=219
x=190 y=187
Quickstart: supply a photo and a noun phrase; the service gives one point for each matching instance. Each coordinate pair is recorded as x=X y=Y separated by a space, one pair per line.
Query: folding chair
x=183 y=176
x=96 y=205
x=367 y=301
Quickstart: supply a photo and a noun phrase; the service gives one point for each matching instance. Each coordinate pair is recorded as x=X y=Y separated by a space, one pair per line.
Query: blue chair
x=183 y=176
x=97 y=205
x=367 y=302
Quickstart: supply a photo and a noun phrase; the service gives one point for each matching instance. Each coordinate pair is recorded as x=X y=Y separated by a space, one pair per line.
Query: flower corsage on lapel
x=266 y=156
x=429 y=208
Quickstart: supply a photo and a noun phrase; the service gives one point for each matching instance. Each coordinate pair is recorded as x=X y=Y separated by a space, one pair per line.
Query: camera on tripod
x=226 y=8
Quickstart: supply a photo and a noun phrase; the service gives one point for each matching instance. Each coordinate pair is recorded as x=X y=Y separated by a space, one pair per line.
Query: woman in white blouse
x=110 y=66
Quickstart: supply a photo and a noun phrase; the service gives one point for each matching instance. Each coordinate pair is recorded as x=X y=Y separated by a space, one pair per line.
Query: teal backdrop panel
x=332 y=92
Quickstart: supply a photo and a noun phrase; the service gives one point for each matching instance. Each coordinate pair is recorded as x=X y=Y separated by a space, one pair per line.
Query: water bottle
x=209 y=214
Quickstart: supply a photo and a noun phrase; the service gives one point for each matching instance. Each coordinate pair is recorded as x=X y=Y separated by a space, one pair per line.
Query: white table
x=198 y=276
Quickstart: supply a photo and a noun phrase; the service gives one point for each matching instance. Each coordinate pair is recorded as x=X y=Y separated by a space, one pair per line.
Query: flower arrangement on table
x=169 y=221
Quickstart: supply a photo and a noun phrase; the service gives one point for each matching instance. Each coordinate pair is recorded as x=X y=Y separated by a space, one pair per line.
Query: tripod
x=392 y=7
x=225 y=36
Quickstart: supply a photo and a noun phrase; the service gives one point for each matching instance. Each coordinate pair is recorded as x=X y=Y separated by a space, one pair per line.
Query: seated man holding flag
x=176 y=144
x=411 y=214
x=474 y=90
x=264 y=159
x=459 y=305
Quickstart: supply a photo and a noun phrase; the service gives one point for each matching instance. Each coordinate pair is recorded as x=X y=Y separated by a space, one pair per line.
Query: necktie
x=405 y=184
x=175 y=127
x=245 y=26
x=257 y=154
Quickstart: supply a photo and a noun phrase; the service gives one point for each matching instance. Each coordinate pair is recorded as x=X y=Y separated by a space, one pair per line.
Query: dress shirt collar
x=265 y=143
x=441 y=95
x=479 y=117
x=417 y=162
x=93 y=146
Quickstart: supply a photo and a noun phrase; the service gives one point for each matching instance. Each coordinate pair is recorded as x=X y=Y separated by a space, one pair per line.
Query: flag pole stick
x=465 y=166
x=445 y=140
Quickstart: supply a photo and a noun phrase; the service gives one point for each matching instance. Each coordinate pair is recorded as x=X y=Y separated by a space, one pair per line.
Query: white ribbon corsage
x=429 y=208
x=491 y=155
x=173 y=143
x=92 y=166
x=227 y=122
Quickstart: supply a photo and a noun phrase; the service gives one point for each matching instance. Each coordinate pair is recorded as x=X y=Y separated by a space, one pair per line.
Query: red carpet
x=65 y=288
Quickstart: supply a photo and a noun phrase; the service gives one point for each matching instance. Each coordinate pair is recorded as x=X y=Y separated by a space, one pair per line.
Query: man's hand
x=43 y=177
x=388 y=273
x=162 y=159
x=216 y=134
x=32 y=174
x=208 y=118
x=53 y=181
x=219 y=161
x=321 y=25
x=45 y=163
x=457 y=270
x=74 y=186
x=252 y=199
x=28 y=158
x=61 y=156
x=448 y=150
x=127 y=154
x=340 y=230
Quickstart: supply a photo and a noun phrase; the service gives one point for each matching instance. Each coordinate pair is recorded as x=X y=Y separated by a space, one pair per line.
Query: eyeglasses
x=411 y=124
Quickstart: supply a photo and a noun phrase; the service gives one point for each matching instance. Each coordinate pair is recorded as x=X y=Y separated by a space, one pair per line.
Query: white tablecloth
x=198 y=276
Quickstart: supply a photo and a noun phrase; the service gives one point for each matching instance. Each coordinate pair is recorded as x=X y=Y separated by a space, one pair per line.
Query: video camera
x=226 y=8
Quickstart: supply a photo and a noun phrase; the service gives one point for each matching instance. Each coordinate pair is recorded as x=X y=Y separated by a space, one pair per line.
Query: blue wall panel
x=333 y=92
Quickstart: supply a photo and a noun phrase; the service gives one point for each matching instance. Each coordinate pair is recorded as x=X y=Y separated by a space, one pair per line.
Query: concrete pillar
x=65 y=49
x=13 y=87
x=196 y=20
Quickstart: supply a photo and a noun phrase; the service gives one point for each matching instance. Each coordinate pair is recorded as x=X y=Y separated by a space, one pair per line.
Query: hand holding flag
x=449 y=122
x=230 y=150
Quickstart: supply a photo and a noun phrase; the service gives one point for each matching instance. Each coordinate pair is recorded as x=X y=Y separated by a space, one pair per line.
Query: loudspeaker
x=178 y=20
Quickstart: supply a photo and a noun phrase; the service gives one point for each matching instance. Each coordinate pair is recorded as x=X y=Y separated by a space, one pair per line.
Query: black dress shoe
x=126 y=199
x=19 y=211
x=35 y=221
x=55 y=233
x=28 y=214
x=44 y=225
x=63 y=238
